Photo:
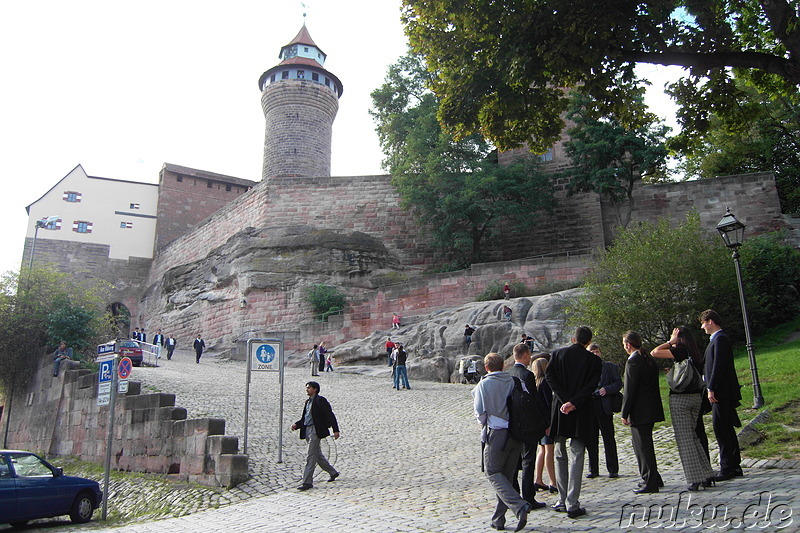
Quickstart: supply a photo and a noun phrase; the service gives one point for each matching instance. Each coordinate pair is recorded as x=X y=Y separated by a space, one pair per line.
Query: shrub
x=325 y=300
x=494 y=291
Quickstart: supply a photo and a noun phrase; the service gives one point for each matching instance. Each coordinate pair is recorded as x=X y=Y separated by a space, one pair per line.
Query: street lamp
x=732 y=233
x=39 y=224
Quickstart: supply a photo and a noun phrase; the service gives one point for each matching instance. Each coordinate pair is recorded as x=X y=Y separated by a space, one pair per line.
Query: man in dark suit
x=724 y=393
x=158 y=342
x=522 y=358
x=573 y=373
x=317 y=417
x=609 y=385
x=199 y=348
x=641 y=409
x=171 y=343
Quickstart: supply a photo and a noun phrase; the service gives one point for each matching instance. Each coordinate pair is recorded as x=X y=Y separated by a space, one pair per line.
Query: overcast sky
x=122 y=88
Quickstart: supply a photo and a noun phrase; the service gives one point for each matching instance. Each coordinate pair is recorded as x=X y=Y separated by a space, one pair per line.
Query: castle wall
x=60 y=416
x=187 y=196
x=126 y=280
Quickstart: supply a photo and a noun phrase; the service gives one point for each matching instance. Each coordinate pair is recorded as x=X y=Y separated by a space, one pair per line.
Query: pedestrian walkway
x=410 y=461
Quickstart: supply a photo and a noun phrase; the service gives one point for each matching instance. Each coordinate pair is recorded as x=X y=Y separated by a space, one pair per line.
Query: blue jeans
x=400 y=370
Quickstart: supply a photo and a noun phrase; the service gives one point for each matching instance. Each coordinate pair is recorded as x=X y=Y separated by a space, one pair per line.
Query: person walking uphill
x=500 y=452
x=199 y=347
x=314 y=422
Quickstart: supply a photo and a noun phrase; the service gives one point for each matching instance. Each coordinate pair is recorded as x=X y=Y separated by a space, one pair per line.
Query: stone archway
x=120 y=319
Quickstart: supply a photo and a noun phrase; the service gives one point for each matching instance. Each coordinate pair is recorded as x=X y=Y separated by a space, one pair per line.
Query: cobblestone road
x=410 y=461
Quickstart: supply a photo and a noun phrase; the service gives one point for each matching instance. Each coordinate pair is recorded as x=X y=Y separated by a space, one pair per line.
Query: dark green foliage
x=325 y=300
x=653 y=278
x=771 y=276
x=455 y=188
x=71 y=323
x=609 y=157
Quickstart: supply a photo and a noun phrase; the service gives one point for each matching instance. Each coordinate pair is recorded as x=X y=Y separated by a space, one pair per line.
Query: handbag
x=684 y=376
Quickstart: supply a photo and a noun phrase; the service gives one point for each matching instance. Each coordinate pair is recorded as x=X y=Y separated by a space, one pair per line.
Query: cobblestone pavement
x=410 y=461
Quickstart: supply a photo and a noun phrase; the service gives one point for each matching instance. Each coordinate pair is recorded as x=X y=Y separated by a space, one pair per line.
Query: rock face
x=435 y=342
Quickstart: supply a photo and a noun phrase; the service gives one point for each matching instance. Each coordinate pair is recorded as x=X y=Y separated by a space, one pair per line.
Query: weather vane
x=305 y=8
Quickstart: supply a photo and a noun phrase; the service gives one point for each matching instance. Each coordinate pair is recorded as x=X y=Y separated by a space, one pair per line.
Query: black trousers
x=724 y=418
x=642 y=438
x=527 y=465
x=604 y=426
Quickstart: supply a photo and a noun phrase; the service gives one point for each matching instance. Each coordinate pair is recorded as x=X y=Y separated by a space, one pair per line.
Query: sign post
x=107 y=395
x=264 y=355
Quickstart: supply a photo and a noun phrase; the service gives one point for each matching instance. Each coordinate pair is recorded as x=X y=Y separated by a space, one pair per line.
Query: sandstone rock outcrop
x=435 y=342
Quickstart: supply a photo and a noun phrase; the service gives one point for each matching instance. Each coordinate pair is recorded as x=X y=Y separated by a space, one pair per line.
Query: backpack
x=526 y=423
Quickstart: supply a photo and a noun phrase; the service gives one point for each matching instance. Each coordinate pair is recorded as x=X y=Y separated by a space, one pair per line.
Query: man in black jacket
x=522 y=358
x=317 y=417
x=724 y=393
x=609 y=385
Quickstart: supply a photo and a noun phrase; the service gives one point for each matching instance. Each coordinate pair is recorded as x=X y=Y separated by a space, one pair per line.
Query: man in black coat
x=573 y=373
x=641 y=409
x=522 y=359
x=609 y=385
x=724 y=393
x=313 y=424
x=199 y=347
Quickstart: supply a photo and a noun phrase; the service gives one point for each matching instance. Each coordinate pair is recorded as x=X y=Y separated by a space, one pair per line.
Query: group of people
x=321 y=359
x=396 y=357
x=161 y=341
x=577 y=393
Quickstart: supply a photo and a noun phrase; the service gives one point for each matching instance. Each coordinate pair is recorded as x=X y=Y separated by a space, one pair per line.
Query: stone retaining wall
x=60 y=416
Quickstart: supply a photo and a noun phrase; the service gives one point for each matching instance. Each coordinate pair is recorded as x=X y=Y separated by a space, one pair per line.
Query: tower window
x=134 y=206
x=180 y=179
x=272 y=78
x=285 y=75
x=71 y=196
x=228 y=187
x=210 y=184
x=305 y=49
x=81 y=226
x=126 y=225
x=327 y=82
x=301 y=74
x=314 y=76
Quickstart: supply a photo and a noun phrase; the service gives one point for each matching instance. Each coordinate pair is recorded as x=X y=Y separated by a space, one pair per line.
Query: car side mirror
x=58 y=472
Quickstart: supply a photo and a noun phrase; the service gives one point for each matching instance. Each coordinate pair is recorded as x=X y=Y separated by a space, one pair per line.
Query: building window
x=72 y=196
x=305 y=49
x=81 y=226
x=301 y=74
x=272 y=78
x=210 y=184
x=50 y=223
x=547 y=156
x=285 y=75
x=314 y=76
x=134 y=206
x=126 y=225
x=180 y=178
x=228 y=187
x=327 y=82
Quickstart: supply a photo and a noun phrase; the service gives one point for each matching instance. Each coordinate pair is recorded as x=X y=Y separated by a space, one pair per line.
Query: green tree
x=655 y=277
x=609 y=157
x=455 y=188
x=40 y=307
x=499 y=67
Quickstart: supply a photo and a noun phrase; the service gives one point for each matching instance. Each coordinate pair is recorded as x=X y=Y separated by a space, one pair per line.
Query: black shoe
x=539 y=486
x=592 y=475
x=523 y=517
x=646 y=490
x=723 y=476
x=694 y=487
x=536 y=505
x=559 y=507
x=738 y=472
x=305 y=486
x=497 y=527
x=553 y=489
x=575 y=513
x=709 y=483
x=333 y=477
x=613 y=475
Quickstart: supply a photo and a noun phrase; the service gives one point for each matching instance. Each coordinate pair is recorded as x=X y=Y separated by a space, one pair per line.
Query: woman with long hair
x=685 y=408
x=544 y=457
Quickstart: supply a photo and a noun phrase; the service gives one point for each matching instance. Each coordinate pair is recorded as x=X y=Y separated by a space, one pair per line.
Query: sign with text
x=265 y=355
x=105 y=374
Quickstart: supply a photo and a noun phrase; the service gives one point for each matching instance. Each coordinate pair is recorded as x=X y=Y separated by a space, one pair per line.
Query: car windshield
x=26 y=465
x=128 y=344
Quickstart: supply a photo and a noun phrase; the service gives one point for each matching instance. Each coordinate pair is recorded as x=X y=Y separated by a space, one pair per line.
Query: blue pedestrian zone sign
x=264 y=356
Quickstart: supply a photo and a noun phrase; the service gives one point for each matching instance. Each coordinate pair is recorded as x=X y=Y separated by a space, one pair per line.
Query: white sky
x=122 y=88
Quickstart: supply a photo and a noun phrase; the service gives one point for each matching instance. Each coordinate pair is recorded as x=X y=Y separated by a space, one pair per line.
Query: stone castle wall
x=299 y=121
x=126 y=280
x=60 y=416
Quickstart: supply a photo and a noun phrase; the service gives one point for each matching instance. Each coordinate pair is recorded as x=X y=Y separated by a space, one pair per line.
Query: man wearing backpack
x=500 y=452
x=573 y=374
x=522 y=359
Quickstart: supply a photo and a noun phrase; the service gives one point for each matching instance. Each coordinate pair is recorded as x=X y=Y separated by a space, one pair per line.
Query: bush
x=325 y=300
x=494 y=291
x=653 y=278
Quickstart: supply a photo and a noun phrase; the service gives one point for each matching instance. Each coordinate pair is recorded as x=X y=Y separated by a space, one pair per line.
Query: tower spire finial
x=305 y=7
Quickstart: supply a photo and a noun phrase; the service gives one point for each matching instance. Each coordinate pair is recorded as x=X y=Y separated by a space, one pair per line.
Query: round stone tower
x=300 y=100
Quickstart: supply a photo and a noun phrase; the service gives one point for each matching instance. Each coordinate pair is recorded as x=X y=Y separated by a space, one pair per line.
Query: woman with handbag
x=685 y=379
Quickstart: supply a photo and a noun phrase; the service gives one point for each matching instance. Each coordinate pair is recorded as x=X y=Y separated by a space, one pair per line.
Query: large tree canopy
x=501 y=67
x=457 y=189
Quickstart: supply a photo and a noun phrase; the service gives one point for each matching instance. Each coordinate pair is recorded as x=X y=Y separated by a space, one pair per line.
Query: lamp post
x=732 y=233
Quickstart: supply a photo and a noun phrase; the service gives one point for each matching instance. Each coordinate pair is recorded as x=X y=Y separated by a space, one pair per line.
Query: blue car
x=32 y=488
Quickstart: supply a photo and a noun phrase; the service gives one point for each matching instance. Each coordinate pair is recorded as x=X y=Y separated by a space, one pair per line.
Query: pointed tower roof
x=302 y=38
